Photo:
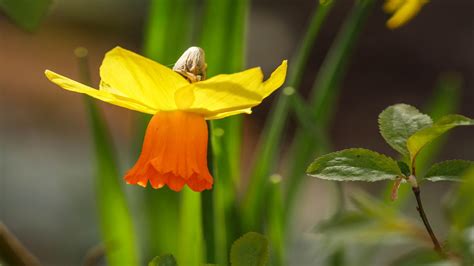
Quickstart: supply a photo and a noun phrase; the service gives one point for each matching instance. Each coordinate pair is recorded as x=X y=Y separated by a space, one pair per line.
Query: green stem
x=324 y=94
x=191 y=241
x=224 y=38
x=266 y=154
x=276 y=228
x=168 y=32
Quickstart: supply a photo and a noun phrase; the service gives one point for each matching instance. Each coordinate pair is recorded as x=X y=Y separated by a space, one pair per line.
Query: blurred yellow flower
x=175 y=146
x=402 y=10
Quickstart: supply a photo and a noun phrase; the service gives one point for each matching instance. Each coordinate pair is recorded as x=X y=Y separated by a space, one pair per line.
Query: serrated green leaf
x=354 y=165
x=451 y=170
x=26 y=13
x=419 y=139
x=252 y=249
x=163 y=260
x=398 y=122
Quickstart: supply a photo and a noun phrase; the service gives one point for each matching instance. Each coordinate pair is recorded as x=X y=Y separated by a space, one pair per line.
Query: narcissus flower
x=402 y=10
x=174 y=151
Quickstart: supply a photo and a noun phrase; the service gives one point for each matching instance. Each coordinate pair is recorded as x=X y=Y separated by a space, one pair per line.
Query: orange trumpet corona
x=174 y=153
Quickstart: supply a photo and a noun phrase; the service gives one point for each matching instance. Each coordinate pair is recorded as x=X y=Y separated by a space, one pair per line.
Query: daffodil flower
x=402 y=10
x=174 y=151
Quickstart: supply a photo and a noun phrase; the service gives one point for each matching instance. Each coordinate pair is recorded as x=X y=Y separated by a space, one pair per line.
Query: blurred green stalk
x=26 y=13
x=275 y=223
x=266 y=156
x=191 y=243
x=223 y=39
x=115 y=220
x=168 y=33
x=267 y=153
x=323 y=97
x=445 y=100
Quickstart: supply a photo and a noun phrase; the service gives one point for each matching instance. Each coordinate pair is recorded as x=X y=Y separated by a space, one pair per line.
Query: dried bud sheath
x=192 y=64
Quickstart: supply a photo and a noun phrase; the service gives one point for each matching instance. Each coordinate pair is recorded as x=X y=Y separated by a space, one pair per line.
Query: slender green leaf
x=452 y=170
x=267 y=152
x=422 y=257
x=163 y=260
x=168 y=32
x=115 y=220
x=354 y=165
x=252 y=249
x=323 y=97
x=191 y=240
x=26 y=13
x=223 y=37
x=373 y=207
x=373 y=223
x=424 y=136
x=398 y=122
x=345 y=221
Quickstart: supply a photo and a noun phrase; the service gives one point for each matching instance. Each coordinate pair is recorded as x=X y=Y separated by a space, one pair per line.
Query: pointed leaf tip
x=398 y=122
x=452 y=170
x=418 y=140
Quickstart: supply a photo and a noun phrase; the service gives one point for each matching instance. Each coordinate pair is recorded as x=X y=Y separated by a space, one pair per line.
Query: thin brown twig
x=12 y=251
x=94 y=255
x=421 y=211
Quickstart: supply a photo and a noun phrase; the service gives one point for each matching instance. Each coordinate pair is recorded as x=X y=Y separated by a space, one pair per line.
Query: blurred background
x=46 y=167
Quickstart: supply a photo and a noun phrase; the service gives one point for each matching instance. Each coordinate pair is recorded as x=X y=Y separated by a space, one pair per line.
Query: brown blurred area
x=46 y=183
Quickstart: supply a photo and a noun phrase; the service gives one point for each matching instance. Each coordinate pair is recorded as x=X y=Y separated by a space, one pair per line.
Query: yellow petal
x=276 y=79
x=105 y=96
x=140 y=78
x=226 y=114
x=225 y=95
x=405 y=13
x=390 y=6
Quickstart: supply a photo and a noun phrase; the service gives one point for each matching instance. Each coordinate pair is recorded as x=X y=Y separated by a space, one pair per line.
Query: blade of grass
x=324 y=94
x=267 y=152
x=223 y=39
x=115 y=220
x=168 y=33
x=191 y=242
